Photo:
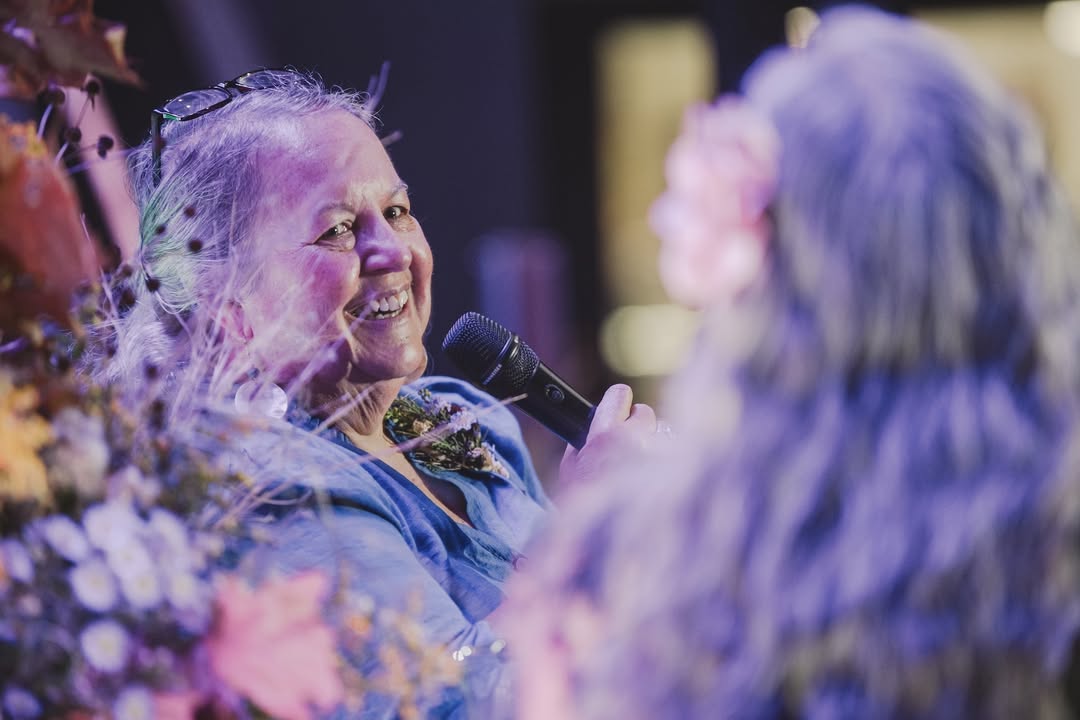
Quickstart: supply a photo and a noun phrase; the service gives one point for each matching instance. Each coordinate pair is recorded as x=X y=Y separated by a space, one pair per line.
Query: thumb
x=613 y=409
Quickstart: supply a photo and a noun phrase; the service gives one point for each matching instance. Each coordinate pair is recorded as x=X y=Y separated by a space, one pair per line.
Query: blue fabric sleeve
x=370 y=535
x=367 y=554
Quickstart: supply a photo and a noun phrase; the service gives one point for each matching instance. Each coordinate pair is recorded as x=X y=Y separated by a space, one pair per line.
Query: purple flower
x=134 y=703
x=130 y=558
x=141 y=587
x=184 y=590
x=29 y=605
x=160 y=661
x=190 y=599
x=20 y=704
x=65 y=537
x=208 y=544
x=461 y=420
x=94 y=585
x=169 y=527
x=175 y=546
x=16 y=561
x=105 y=645
x=130 y=484
x=112 y=524
x=134 y=566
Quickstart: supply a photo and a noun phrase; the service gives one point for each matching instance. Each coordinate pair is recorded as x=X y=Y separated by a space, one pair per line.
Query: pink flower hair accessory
x=721 y=173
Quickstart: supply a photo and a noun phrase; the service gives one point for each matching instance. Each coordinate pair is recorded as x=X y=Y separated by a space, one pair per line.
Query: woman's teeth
x=388 y=306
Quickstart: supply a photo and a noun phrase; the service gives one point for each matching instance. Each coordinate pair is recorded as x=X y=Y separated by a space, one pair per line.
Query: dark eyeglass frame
x=225 y=92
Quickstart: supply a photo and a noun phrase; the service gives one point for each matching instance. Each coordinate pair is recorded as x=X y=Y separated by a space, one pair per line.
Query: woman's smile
x=381 y=306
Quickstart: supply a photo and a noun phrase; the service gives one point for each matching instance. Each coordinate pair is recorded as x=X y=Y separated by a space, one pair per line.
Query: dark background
x=494 y=98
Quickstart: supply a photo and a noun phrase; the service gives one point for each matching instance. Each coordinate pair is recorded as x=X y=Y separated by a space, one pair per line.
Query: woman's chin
x=407 y=364
x=350 y=365
x=418 y=371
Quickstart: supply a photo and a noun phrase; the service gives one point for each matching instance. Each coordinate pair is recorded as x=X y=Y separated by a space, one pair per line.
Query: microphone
x=499 y=362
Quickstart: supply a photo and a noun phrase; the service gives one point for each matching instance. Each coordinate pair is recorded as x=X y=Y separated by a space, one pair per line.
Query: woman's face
x=343 y=284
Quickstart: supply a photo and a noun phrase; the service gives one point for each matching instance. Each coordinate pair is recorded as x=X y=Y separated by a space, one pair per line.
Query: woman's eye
x=340 y=231
x=396 y=212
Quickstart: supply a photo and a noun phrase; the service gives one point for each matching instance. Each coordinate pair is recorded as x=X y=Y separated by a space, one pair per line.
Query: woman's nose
x=384 y=250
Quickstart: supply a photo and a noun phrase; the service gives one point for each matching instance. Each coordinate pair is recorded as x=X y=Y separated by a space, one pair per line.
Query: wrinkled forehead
x=318 y=154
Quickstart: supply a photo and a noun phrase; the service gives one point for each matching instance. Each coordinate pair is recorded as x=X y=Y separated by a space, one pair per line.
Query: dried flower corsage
x=441 y=435
x=721 y=174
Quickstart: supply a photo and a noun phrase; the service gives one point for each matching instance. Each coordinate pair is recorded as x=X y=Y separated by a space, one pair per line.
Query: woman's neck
x=361 y=410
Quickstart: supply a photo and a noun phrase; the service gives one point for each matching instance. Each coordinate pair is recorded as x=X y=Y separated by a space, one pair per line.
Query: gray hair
x=195 y=225
x=883 y=523
x=917 y=223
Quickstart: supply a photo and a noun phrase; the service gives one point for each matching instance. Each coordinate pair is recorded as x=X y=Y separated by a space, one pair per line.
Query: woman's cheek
x=331 y=284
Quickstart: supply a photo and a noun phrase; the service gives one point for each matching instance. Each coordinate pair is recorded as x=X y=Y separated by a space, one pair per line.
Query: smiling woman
x=283 y=275
x=339 y=246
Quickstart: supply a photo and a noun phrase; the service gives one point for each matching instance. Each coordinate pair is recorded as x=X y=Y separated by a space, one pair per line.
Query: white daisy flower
x=134 y=703
x=16 y=561
x=94 y=585
x=65 y=537
x=142 y=589
x=105 y=645
x=112 y=524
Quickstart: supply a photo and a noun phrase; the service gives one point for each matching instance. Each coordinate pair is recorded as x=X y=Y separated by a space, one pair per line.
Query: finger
x=664 y=436
x=570 y=454
x=613 y=409
x=568 y=465
x=642 y=418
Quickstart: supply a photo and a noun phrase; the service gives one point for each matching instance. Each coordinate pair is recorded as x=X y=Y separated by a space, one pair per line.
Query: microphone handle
x=556 y=405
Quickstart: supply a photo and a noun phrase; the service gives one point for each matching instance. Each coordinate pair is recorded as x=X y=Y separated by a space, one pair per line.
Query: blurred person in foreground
x=870 y=508
x=284 y=278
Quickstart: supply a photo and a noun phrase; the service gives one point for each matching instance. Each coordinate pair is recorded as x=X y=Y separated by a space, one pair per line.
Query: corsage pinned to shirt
x=441 y=435
x=721 y=173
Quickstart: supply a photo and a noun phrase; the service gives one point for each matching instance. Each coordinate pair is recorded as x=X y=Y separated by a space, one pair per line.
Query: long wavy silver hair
x=872 y=506
x=196 y=228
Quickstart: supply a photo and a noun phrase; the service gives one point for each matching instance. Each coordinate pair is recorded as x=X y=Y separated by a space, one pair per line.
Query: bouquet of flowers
x=113 y=602
x=109 y=602
x=119 y=594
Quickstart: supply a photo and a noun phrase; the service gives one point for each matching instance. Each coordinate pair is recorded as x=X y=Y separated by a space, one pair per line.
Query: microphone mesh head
x=474 y=344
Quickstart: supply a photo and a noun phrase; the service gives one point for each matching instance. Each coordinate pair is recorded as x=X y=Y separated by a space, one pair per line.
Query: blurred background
x=533 y=134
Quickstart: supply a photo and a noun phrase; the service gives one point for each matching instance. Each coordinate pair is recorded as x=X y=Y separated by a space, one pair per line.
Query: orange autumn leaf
x=41 y=237
x=58 y=42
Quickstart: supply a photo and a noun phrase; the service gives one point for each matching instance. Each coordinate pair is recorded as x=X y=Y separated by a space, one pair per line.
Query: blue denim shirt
x=369 y=527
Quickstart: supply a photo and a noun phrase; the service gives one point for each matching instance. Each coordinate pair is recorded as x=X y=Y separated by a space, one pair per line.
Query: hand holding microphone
x=501 y=363
x=619 y=427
